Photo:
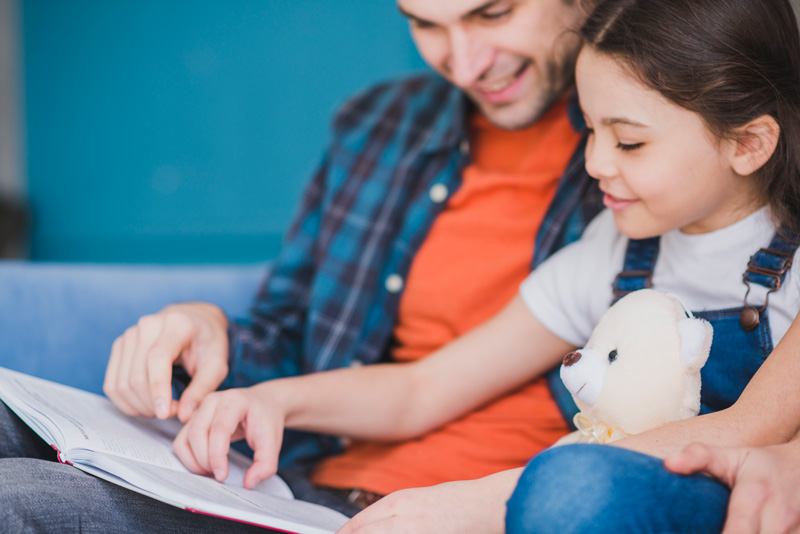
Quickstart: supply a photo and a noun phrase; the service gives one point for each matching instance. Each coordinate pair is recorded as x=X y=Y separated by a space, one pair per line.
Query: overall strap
x=768 y=268
x=637 y=270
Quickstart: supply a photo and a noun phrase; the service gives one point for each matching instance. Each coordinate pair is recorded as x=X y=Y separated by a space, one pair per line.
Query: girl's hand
x=454 y=507
x=764 y=482
x=226 y=416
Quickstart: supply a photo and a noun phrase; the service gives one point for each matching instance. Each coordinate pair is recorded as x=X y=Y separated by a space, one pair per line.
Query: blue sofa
x=58 y=320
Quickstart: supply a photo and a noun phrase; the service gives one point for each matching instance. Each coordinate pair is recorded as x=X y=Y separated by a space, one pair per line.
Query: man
x=434 y=201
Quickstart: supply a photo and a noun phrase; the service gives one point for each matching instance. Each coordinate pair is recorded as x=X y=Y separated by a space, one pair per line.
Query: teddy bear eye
x=612 y=356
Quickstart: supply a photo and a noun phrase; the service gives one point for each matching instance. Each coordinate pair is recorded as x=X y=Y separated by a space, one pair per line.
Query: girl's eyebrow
x=611 y=121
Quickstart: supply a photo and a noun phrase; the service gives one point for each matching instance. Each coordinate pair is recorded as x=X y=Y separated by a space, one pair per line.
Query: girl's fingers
x=198 y=434
x=229 y=415
x=204 y=442
x=265 y=440
x=184 y=453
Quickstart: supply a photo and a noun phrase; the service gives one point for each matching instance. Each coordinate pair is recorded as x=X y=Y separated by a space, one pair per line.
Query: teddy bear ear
x=696 y=335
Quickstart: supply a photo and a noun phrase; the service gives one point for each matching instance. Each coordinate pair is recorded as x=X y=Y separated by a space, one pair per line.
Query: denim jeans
x=605 y=489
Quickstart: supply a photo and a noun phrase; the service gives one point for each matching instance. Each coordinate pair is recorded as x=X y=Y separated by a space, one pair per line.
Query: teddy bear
x=639 y=370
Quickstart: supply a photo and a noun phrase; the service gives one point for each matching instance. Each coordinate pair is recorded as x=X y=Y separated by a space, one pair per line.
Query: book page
x=205 y=495
x=70 y=418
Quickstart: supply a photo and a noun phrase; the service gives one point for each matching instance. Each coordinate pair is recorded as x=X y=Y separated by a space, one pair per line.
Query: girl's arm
x=377 y=402
x=767 y=412
x=401 y=401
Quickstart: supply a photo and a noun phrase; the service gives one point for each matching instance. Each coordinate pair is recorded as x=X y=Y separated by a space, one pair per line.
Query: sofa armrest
x=58 y=321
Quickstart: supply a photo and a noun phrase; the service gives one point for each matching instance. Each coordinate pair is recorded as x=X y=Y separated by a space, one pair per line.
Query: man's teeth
x=500 y=84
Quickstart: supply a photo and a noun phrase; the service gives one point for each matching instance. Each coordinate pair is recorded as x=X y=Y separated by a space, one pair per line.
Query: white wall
x=12 y=173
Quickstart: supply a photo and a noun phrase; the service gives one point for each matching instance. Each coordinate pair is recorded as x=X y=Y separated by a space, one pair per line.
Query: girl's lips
x=615 y=204
x=508 y=91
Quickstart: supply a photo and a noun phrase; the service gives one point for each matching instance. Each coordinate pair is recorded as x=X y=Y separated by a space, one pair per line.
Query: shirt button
x=394 y=283
x=438 y=193
x=464 y=147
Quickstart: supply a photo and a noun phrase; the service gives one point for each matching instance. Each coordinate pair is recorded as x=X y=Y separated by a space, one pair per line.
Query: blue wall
x=185 y=130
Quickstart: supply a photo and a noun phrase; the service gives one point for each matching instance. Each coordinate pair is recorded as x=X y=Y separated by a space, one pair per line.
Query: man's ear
x=755 y=143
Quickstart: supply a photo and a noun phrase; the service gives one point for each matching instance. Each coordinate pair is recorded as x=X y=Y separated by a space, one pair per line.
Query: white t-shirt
x=571 y=291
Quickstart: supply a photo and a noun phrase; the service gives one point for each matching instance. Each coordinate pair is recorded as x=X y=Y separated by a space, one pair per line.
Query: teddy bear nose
x=571 y=358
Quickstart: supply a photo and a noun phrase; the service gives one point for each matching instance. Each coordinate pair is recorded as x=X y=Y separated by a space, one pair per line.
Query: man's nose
x=469 y=57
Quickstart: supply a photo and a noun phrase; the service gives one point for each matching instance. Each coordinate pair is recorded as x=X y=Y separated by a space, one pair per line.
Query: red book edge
x=58 y=455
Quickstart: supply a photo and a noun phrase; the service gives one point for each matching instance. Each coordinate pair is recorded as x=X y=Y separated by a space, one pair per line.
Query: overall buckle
x=778 y=262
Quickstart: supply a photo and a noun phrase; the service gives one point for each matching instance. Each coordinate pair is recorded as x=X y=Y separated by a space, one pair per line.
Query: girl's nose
x=599 y=161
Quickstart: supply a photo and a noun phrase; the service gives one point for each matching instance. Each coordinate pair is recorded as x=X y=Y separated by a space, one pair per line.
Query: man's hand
x=226 y=416
x=472 y=506
x=139 y=374
x=764 y=482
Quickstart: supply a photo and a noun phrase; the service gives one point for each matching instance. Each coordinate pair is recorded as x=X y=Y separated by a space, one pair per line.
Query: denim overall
x=742 y=338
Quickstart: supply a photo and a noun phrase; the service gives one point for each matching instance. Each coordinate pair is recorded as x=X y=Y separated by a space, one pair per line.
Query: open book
x=91 y=434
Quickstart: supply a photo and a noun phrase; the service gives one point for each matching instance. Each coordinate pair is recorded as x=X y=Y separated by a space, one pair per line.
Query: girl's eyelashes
x=628 y=147
x=625 y=147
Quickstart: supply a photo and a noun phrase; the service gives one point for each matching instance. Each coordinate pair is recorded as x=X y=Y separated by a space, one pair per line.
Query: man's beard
x=559 y=77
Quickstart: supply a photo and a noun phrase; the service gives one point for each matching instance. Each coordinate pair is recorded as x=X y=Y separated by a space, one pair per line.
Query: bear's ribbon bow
x=597 y=431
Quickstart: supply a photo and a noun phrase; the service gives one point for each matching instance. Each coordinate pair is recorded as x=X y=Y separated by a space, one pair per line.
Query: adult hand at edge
x=139 y=374
x=764 y=482
x=454 y=507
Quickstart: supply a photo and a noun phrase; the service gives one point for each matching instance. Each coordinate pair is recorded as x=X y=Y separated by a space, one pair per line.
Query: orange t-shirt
x=470 y=266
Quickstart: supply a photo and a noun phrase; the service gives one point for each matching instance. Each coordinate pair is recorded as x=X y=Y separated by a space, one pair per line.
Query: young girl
x=693 y=111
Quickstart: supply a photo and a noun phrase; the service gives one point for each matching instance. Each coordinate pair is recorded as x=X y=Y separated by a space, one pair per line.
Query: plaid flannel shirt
x=331 y=297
